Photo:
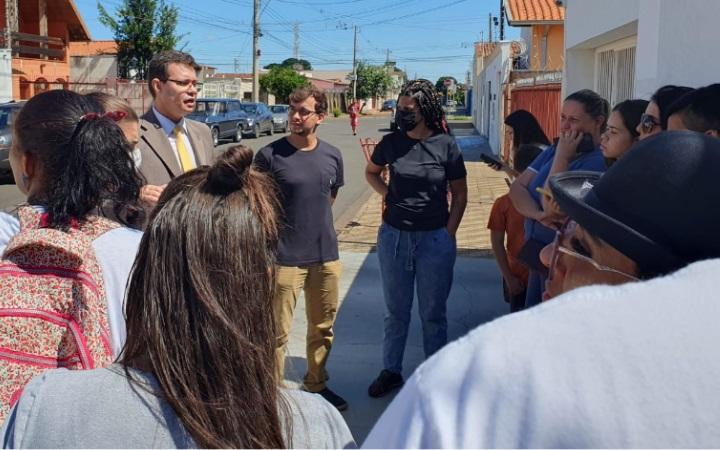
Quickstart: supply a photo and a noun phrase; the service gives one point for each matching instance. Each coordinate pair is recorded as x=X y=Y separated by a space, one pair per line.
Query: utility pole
x=235 y=65
x=256 y=51
x=490 y=24
x=355 y=64
x=502 y=21
x=11 y=21
x=296 y=40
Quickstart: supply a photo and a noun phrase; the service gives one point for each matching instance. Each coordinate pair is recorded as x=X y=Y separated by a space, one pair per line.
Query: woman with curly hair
x=416 y=242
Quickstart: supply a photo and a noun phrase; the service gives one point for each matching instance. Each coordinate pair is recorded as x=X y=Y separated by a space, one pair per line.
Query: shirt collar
x=168 y=125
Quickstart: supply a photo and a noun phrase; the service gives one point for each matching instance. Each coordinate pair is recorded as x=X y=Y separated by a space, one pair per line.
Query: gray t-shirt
x=101 y=408
x=307 y=181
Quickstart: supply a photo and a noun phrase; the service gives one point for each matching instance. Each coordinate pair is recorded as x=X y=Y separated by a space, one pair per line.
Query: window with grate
x=615 y=72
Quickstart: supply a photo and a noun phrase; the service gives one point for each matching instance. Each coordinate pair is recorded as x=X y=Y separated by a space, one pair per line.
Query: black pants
x=517 y=302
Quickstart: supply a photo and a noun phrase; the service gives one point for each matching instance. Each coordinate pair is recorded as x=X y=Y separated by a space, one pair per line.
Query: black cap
x=659 y=204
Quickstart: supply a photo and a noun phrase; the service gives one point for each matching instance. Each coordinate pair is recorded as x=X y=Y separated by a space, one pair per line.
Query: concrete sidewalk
x=476 y=296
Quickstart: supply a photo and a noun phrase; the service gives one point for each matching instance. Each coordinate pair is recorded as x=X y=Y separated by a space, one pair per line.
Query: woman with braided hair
x=416 y=242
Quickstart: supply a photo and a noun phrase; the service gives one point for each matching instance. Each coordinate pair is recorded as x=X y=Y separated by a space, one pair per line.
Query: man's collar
x=168 y=125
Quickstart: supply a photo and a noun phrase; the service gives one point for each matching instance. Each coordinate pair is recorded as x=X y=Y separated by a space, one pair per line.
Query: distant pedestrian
x=416 y=241
x=198 y=369
x=508 y=225
x=66 y=267
x=170 y=144
x=309 y=173
x=354 y=111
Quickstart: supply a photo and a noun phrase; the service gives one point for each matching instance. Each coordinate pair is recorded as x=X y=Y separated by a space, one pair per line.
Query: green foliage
x=459 y=95
x=142 y=28
x=290 y=63
x=336 y=112
x=281 y=81
x=372 y=81
x=440 y=84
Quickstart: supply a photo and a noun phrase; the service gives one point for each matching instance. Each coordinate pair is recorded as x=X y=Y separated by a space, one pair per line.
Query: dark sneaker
x=334 y=399
x=384 y=383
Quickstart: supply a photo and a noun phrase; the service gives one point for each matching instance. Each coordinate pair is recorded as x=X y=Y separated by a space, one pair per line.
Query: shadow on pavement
x=356 y=357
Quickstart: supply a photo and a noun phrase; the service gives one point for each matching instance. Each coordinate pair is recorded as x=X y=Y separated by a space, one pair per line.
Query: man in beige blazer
x=170 y=144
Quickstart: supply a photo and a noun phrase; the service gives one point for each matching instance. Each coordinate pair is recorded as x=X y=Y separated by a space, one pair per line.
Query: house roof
x=242 y=76
x=93 y=48
x=485 y=49
x=529 y=12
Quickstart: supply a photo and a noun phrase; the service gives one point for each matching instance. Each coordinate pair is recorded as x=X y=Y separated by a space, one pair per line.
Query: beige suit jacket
x=159 y=164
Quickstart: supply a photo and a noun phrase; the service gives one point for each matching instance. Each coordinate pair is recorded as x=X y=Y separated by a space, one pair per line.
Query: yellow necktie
x=185 y=160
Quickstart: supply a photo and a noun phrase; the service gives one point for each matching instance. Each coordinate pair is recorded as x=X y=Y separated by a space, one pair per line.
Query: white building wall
x=488 y=95
x=5 y=76
x=676 y=41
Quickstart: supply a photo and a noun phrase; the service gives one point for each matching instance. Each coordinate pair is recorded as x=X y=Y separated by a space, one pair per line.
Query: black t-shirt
x=307 y=180
x=419 y=175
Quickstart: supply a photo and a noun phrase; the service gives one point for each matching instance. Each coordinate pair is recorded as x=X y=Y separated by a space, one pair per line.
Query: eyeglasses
x=185 y=83
x=566 y=230
x=303 y=113
x=648 y=122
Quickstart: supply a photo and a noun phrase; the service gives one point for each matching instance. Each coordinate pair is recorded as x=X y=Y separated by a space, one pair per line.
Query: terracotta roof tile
x=531 y=11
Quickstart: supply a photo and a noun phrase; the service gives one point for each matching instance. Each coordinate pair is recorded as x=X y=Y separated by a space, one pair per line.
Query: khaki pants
x=320 y=283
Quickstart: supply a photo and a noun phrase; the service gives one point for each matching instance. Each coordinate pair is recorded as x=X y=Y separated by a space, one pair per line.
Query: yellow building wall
x=555 y=47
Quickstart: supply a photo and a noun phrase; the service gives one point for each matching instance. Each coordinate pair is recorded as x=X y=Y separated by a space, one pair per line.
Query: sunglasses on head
x=648 y=122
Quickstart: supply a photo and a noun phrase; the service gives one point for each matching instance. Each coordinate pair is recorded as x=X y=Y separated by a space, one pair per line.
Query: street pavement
x=475 y=298
x=336 y=131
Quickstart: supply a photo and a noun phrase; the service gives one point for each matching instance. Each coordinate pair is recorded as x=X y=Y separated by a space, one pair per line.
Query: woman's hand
x=568 y=144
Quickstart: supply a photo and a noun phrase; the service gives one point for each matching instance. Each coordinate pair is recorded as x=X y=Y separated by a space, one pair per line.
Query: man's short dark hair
x=699 y=110
x=524 y=156
x=158 y=65
x=301 y=94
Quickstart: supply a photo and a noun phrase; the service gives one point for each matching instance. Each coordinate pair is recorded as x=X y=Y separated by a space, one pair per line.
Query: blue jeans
x=535 y=289
x=409 y=261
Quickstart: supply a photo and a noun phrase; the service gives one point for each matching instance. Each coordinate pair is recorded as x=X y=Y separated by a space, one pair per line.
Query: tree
x=281 y=81
x=143 y=28
x=440 y=84
x=302 y=64
x=372 y=81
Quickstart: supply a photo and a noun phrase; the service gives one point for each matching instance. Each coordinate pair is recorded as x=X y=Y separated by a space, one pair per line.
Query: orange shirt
x=504 y=217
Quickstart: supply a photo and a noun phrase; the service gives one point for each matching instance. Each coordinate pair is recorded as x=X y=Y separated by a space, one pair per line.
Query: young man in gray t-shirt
x=309 y=173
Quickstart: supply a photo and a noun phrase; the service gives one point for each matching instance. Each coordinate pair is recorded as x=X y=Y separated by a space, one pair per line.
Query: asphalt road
x=334 y=131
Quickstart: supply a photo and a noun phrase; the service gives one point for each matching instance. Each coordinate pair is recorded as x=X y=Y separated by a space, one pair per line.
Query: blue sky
x=427 y=38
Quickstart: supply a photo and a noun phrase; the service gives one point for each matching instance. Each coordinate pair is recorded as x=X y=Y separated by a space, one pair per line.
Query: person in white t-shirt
x=633 y=365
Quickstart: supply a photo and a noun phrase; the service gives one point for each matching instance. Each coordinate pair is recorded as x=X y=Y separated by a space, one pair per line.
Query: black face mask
x=405 y=120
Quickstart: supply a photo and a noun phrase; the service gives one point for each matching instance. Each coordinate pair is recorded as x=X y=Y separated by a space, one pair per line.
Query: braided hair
x=428 y=99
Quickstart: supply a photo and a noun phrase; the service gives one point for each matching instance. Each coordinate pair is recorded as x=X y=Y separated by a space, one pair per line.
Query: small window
x=615 y=71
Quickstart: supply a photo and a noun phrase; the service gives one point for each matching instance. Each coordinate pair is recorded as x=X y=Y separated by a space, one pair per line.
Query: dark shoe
x=384 y=383
x=334 y=399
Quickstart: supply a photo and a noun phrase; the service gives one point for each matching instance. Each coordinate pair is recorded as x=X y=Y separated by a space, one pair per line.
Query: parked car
x=389 y=105
x=224 y=116
x=8 y=112
x=260 y=119
x=280 y=117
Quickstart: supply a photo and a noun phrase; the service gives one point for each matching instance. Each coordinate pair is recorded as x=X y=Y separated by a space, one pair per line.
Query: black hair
x=524 y=156
x=526 y=129
x=428 y=99
x=593 y=104
x=158 y=65
x=699 y=109
x=630 y=111
x=664 y=97
x=84 y=159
